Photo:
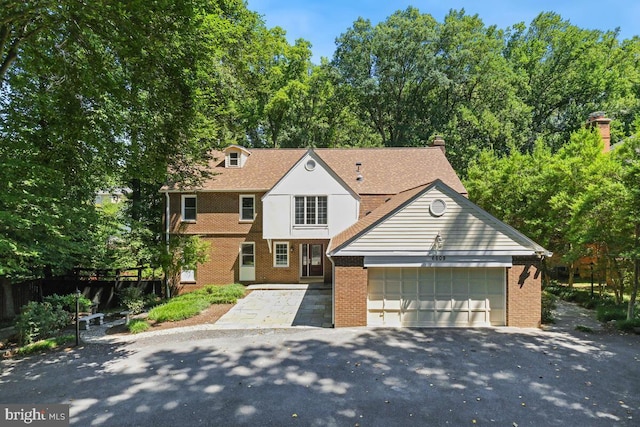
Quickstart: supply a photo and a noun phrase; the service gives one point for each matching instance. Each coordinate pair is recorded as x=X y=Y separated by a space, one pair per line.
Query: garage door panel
x=477 y=304
x=426 y=291
x=410 y=318
x=392 y=304
x=497 y=317
x=376 y=304
x=410 y=288
x=478 y=317
x=410 y=304
x=459 y=318
x=442 y=304
x=460 y=304
x=427 y=305
x=436 y=296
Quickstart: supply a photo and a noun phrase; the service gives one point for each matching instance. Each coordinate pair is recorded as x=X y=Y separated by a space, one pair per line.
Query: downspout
x=333 y=292
x=167 y=229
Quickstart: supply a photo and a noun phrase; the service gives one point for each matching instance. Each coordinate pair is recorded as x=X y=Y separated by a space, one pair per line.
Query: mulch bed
x=208 y=316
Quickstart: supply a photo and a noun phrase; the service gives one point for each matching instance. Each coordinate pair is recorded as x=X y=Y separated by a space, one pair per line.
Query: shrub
x=178 y=309
x=548 y=305
x=47 y=344
x=39 y=320
x=138 y=325
x=189 y=304
x=132 y=299
x=628 y=325
x=68 y=302
x=606 y=313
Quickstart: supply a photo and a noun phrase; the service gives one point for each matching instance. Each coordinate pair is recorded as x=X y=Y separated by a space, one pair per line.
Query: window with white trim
x=281 y=254
x=247 y=208
x=188 y=276
x=233 y=161
x=310 y=210
x=189 y=208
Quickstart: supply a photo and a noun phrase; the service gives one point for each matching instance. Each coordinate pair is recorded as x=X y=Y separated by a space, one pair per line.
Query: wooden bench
x=86 y=320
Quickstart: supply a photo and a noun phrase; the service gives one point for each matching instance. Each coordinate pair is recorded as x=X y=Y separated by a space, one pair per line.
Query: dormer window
x=235 y=156
x=234 y=160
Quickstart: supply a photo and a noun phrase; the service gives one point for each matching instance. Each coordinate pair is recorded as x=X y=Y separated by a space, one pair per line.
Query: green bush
x=606 y=313
x=192 y=303
x=628 y=325
x=40 y=320
x=138 y=325
x=132 y=299
x=178 y=310
x=68 y=302
x=548 y=305
x=46 y=344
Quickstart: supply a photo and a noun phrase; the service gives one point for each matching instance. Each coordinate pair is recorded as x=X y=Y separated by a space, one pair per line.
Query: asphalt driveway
x=340 y=377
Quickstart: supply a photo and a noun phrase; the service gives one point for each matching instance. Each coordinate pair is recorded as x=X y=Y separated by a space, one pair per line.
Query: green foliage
x=40 y=320
x=68 y=302
x=137 y=325
x=548 y=305
x=607 y=313
x=192 y=303
x=184 y=252
x=628 y=325
x=179 y=309
x=45 y=345
x=132 y=298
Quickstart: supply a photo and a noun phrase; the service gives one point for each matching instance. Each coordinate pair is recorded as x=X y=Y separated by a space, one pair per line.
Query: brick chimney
x=598 y=120
x=438 y=141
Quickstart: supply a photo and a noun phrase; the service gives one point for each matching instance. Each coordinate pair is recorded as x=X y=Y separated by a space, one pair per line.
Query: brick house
x=390 y=229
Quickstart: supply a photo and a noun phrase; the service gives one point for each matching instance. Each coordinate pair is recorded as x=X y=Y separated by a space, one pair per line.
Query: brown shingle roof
x=384 y=170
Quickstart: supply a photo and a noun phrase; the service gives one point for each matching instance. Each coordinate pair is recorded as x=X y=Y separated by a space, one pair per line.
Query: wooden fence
x=100 y=286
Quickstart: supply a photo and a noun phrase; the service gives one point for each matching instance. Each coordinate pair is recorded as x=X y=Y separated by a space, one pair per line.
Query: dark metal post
x=77 y=315
x=591 y=265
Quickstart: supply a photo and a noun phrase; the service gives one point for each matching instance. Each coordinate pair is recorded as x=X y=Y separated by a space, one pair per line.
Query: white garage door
x=443 y=296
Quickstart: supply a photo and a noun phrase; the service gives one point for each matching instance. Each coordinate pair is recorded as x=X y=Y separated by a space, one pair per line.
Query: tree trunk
x=571 y=274
x=7 y=290
x=636 y=272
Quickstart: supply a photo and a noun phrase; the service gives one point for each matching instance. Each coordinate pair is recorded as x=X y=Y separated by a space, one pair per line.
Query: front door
x=312 y=260
x=247 y=262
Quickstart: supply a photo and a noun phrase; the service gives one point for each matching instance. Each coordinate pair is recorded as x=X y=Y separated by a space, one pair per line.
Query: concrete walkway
x=280 y=306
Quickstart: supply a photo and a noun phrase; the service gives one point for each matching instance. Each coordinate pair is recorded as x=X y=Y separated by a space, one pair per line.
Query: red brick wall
x=217 y=213
x=524 y=293
x=223 y=265
x=351 y=279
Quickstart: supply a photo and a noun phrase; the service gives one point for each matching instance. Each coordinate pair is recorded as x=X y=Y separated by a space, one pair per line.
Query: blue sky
x=321 y=21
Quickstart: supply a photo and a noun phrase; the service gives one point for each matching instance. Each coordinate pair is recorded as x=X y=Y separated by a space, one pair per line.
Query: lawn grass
x=46 y=344
x=137 y=325
x=190 y=304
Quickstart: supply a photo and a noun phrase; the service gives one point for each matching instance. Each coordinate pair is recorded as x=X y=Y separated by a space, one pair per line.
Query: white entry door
x=436 y=297
x=247 y=262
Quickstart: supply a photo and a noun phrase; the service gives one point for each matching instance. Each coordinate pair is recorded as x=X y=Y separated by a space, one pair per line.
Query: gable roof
x=384 y=170
x=310 y=154
x=469 y=212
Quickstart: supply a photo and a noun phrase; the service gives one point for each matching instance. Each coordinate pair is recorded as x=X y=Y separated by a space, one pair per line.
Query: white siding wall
x=414 y=229
x=278 y=204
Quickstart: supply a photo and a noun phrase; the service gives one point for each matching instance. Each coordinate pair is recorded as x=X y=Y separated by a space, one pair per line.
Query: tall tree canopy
x=481 y=87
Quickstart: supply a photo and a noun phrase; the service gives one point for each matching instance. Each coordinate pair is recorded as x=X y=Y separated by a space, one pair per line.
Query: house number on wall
x=438 y=258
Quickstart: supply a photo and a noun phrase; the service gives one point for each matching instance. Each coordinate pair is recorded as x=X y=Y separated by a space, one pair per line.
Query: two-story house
x=391 y=230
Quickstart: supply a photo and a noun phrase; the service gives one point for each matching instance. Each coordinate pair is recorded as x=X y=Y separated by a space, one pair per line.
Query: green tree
x=565 y=73
x=536 y=192
x=391 y=72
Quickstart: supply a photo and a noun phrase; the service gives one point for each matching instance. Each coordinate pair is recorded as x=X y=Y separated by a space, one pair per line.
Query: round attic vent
x=438 y=207
x=310 y=165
